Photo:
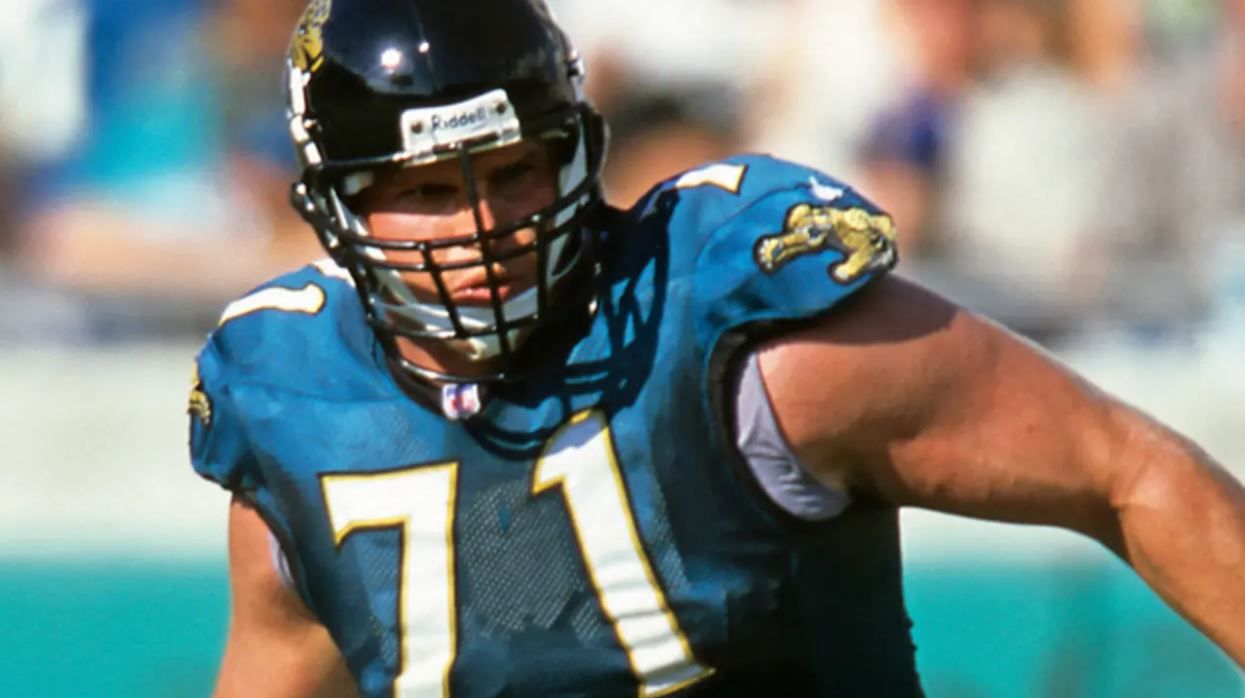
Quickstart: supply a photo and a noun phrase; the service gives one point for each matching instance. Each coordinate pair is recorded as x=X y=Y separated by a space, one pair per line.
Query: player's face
x=431 y=202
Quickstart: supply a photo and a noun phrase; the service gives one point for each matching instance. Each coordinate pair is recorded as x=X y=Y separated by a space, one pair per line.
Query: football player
x=507 y=440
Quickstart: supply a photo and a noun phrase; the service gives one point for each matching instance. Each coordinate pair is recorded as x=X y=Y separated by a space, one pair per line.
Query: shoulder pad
x=798 y=243
x=302 y=333
x=291 y=330
x=219 y=449
x=713 y=193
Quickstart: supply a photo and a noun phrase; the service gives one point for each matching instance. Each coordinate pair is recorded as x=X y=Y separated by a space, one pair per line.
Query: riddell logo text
x=463 y=120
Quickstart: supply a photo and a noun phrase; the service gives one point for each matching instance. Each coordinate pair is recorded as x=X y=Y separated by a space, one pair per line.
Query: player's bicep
x=275 y=647
x=928 y=405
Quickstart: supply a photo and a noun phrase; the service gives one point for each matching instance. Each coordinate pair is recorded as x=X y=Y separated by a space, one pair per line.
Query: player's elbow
x=1152 y=465
x=1158 y=482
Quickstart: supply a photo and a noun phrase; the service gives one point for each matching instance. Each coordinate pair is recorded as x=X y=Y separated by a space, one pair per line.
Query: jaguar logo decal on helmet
x=866 y=240
x=307 y=46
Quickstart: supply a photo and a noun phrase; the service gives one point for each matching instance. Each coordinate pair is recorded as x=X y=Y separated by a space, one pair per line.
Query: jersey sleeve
x=221 y=451
x=219 y=448
x=271 y=342
x=797 y=244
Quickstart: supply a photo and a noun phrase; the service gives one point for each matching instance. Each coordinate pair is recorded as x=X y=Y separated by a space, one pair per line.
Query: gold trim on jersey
x=200 y=404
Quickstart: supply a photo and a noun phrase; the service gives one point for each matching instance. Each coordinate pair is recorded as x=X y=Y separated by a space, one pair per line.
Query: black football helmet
x=380 y=84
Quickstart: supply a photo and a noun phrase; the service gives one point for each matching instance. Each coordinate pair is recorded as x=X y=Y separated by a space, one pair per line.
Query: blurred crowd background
x=1067 y=166
x=1073 y=168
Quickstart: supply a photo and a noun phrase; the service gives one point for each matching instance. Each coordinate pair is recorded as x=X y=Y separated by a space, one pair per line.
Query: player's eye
x=429 y=197
x=514 y=179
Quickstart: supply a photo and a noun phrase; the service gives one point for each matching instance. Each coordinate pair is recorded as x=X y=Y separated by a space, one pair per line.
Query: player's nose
x=485 y=216
x=480 y=215
x=500 y=213
x=488 y=213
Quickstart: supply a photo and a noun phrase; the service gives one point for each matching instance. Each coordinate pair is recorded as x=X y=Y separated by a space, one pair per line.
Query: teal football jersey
x=592 y=531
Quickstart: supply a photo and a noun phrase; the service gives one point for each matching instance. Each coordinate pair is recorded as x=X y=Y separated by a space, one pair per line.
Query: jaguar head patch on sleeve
x=867 y=240
x=200 y=404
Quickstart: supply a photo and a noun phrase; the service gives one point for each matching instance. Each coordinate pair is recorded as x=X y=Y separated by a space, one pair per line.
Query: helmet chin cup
x=481 y=342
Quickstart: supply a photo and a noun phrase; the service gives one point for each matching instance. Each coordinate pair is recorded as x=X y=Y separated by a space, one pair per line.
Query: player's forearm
x=1182 y=520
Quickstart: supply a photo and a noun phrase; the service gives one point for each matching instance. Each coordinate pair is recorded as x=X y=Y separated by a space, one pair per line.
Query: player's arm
x=276 y=648
x=918 y=402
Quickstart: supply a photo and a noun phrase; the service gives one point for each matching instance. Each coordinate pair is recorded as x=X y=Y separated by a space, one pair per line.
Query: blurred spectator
x=903 y=161
x=644 y=44
x=828 y=68
x=903 y=157
x=41 y=60
x=659 y=134
x=41 y=92
x=1024 y=175
x=7 y=201
x=1176 y=202
x=178 y=193
x=42 y=115
x=804 y=75
x=1105 y=40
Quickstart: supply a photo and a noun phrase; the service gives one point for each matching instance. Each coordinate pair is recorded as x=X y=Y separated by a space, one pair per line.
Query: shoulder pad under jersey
x=299 y=333
x=780 y=242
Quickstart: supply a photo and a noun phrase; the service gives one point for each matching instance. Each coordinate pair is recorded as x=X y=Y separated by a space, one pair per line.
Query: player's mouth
x=476 y=291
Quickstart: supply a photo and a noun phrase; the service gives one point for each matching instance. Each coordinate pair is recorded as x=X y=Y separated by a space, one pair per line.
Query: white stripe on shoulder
x=720 y=175
x=332 y=270
x=308 y=300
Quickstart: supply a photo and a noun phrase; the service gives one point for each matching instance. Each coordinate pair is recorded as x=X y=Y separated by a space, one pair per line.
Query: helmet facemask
x=328 y=194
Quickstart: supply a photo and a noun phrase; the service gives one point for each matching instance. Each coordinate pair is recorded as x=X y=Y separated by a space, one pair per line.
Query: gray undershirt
x=777 y=470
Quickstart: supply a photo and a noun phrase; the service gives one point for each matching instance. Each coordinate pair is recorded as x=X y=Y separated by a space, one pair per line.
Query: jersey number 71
x=579 y=461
